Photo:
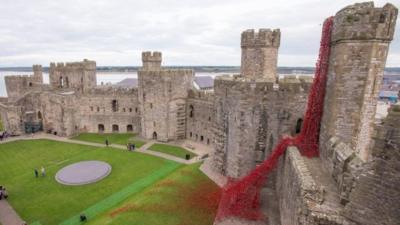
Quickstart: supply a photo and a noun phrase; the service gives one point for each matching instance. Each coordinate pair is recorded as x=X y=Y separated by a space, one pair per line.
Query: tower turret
x=151 y=60
x=360 y=42
x=260 y=53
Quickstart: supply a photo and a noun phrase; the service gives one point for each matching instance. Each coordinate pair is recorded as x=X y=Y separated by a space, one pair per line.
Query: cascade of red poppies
x=241 y=198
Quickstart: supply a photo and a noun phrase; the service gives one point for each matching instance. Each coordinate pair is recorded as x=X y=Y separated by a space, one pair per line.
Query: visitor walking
x=36 y=173
x=107 y=142
x=43 y=171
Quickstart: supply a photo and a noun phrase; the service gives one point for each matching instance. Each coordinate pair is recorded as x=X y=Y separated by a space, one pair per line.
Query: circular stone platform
x=84 y=172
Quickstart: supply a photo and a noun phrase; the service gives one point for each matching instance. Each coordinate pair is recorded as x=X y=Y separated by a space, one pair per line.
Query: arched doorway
x=129 y=128
x=115 y=128
x=39 y=115
x=101 y=128
x=155 y=135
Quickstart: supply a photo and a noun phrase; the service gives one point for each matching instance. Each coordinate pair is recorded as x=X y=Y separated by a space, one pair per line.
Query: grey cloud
x=190 y=32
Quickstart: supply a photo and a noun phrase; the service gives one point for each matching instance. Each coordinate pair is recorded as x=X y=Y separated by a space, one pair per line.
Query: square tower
x=260 y=53
x=162 y=97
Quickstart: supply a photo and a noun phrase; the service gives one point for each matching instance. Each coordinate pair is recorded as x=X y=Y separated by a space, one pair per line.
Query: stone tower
x=151 y=61
x=360 y=41
x=260 y=53
x=79 y=76
x=37 y=73
x=162 y=97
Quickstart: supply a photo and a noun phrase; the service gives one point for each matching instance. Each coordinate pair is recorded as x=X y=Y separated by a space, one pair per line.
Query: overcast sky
x=191 y=32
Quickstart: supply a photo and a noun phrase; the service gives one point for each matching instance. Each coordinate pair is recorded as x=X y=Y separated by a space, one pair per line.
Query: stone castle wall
x=200 y=118
x=80 y=76
x=251 y=116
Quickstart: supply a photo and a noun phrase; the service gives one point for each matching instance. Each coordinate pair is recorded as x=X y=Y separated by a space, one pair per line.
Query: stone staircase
x=181 y=121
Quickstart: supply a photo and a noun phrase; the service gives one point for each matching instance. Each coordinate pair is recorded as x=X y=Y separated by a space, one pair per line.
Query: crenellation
x=354 y=180
x=260 y=54
x=362 y=21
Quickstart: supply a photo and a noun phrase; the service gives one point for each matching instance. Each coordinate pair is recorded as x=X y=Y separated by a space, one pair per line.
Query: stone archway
x=115 y=128
x=101 y=128
x=129 y=128
x=155 y=135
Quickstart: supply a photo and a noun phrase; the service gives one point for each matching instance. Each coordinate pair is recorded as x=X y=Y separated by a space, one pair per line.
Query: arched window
x=190 y=134
x=30 y=84
x=101 y=128
x=208 y=141
x=115 y=128
x=39 y=115
x=66 y=82
x=298 y=125
x=129 y=128
x=201 y=138
x=191 y=111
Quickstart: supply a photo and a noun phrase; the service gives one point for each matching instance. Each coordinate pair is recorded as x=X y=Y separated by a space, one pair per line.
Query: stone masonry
x=355 y=181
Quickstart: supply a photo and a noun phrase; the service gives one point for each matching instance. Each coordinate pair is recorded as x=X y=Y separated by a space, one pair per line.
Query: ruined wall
x=360 y=41
x=162 y=97
x=59 y=110
x=260 y=53
x=104 y=107
x=200 y=116
x=80 y=76
x=18 y=86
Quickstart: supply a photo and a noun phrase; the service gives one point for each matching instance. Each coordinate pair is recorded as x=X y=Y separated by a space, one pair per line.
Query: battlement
x=362 y=21
x=151 y=56
x=151 y=60
x=84 y=65
x=262 y=38
x=37 y=68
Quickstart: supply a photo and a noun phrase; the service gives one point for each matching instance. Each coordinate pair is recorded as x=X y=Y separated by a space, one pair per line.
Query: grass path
x=186 y=196
x=123 y=194
x=172 y=150
x=113 y=138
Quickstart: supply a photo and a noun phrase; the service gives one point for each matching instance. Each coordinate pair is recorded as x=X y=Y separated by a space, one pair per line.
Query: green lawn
x=172 y=150
x=50 y=203
x=186 y=196
x=113 y=138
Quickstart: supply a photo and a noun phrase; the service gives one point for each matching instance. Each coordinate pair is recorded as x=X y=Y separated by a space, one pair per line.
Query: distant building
x=203 y=83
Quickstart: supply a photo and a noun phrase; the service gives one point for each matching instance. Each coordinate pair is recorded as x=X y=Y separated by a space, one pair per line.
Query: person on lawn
x=43 y=171
x=36 y=173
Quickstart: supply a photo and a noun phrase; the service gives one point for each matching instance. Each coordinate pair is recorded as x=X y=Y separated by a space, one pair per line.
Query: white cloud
x=191 y=32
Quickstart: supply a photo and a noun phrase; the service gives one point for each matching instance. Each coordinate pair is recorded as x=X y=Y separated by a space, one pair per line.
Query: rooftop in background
x=204 y=82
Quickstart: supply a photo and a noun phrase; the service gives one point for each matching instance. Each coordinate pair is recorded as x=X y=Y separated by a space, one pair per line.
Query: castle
x=354 y=181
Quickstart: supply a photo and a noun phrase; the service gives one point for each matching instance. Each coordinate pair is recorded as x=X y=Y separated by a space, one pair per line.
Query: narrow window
x=298 y=125
x=191 y=111
x=114 y=105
